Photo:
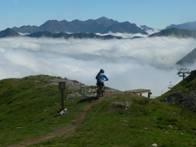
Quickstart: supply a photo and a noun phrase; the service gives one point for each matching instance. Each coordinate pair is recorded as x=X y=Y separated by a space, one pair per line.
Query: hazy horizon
x=28 y=24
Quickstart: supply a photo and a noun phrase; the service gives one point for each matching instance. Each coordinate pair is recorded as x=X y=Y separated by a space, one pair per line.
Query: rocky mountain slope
x=188 y=59
x=8 y=33
x=186 y=26
x=175 y=32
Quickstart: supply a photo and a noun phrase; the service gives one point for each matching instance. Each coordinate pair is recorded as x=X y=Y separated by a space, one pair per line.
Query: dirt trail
x=66 y=131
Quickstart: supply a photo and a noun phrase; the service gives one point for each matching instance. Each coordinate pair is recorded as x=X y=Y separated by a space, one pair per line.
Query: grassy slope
x=185 y=86
x=28 y=108
x=144 y=123
x=183 y=93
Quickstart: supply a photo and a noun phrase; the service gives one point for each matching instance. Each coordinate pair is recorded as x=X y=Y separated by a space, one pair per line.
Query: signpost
x=183 y=72
x=62 y=91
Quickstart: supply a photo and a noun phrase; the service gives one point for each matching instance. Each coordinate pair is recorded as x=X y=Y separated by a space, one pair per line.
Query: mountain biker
x=101 y=78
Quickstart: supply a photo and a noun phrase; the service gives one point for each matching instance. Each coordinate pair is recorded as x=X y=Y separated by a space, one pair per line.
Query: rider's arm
x=106 y=78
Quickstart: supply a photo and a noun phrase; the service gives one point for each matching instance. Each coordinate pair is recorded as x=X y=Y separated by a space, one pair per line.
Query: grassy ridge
x=144 y=123
x=28 y=108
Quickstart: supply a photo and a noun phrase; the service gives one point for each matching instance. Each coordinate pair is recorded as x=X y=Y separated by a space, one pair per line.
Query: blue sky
x=154 y=13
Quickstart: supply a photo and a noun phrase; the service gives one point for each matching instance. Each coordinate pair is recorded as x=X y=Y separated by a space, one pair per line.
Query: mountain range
x=175 y=32
x=101 y=28
x=73 y=35
x=101 y=25
x=8 y=33
x=11 y=33
x=186 y=26
x=183 y=30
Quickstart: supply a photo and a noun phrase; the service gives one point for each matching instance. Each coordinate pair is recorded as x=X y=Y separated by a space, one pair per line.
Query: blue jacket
x=101 y=77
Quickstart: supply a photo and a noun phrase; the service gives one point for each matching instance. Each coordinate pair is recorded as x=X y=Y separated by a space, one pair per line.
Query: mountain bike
x=100 y=90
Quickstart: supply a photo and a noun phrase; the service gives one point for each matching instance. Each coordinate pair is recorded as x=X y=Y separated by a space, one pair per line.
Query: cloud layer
x=129 y=64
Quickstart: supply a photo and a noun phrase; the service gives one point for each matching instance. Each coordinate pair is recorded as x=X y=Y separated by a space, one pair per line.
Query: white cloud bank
x=129 y=64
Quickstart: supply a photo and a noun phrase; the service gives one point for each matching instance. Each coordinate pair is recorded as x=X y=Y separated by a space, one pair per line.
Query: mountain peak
x=52 y=21
x=103 y=18
x=105 y=21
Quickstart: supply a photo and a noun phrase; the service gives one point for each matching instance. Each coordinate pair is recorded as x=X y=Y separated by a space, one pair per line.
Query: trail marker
x=62 y=92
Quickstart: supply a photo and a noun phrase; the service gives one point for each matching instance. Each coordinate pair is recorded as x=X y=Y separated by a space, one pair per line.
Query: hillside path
x=65 y=131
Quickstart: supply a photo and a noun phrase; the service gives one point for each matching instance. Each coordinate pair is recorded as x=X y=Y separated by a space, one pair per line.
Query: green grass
x=28 y=108
x=144 y=123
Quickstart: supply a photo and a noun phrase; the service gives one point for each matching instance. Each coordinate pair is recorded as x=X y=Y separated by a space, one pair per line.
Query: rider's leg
x=102 y=89
x=98 y=89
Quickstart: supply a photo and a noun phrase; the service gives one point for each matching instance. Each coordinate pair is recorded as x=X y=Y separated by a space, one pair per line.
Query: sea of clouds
x=130 y=64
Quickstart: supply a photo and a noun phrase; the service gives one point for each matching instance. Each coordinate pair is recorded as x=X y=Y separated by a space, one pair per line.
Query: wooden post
x=183 y=76
x=149 y=94
x=183 y=72
x=62 y=89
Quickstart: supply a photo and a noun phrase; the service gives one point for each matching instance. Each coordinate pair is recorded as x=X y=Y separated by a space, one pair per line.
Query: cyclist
x=101 y=78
